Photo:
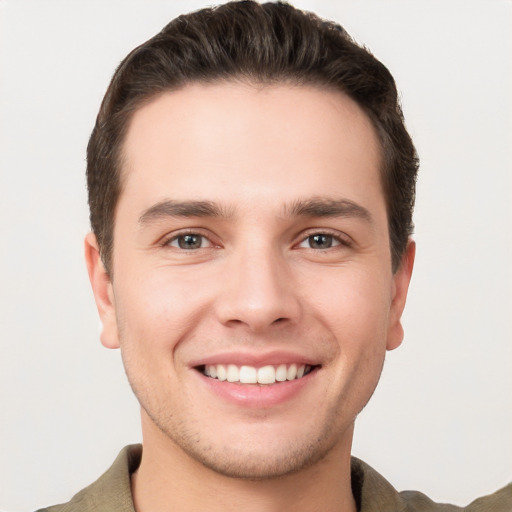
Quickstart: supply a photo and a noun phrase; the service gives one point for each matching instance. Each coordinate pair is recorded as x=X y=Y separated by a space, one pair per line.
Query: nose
x=258 y=291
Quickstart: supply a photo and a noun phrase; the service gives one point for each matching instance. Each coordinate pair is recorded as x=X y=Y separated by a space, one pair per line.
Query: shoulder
x=374 y=493
x=500 y=501
x=112 y=491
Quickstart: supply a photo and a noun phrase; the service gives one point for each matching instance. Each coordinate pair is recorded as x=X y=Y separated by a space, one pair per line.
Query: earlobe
x=401 y=281
x=103 y=292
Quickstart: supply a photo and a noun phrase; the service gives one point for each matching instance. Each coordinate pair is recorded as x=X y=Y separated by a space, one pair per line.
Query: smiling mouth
x=264 y=375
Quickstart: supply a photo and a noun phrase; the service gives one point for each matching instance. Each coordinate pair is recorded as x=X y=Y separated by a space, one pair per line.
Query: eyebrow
x=171 y=208
x=314 y=207
x=325 y=207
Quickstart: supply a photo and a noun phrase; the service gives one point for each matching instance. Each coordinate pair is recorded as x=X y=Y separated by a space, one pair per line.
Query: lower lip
x=255 y=395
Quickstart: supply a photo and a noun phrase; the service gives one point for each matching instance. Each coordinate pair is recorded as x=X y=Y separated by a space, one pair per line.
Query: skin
x=258 y=284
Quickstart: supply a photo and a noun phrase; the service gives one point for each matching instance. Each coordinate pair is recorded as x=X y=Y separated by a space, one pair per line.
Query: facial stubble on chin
x=300 y=454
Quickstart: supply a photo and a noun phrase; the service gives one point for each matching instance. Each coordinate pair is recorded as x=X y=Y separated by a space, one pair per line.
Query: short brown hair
x=262 y=43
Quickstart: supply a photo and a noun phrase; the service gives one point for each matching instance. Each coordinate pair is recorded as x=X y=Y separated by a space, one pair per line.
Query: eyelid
x=342 y=238
x=166 y=240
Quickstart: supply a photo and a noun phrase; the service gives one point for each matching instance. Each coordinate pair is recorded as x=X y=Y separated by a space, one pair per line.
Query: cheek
x=157 y=309
x=355 y=312
x=355 y=305
x=154 y=314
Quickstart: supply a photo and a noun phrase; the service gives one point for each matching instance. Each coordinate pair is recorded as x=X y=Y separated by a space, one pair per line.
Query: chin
x=258 y=452
x=257 y=465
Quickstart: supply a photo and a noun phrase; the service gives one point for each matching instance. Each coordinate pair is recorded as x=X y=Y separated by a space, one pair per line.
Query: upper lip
x=255 y=359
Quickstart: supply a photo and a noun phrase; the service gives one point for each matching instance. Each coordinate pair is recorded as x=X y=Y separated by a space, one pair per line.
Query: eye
x=320 y=241
x=189 y=241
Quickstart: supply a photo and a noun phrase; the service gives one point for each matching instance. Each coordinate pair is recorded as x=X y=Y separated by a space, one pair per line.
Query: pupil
x=189 y=242
x=320 y=241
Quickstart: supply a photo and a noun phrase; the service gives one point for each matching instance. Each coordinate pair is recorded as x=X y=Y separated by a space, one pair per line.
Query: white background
x=441 y=420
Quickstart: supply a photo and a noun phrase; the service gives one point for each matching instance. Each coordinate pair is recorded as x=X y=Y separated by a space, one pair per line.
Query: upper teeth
x=252 y=375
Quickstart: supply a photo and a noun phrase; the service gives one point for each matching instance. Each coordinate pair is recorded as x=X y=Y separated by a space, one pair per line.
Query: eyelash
x=340 y=239
x=166 y=242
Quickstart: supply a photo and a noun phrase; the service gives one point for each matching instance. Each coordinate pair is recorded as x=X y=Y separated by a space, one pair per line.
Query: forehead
x=238 y=142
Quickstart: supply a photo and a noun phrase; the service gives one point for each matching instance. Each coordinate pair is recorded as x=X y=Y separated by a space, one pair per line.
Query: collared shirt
x=372 y=492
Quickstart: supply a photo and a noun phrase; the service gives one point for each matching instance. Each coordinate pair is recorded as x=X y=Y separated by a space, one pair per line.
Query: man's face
x=251 y=243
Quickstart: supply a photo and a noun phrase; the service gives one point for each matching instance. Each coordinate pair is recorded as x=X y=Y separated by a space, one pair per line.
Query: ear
x=103 y=292
x=401 y=280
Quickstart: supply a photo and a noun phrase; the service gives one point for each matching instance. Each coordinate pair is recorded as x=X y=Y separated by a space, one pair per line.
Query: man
x=251 y=186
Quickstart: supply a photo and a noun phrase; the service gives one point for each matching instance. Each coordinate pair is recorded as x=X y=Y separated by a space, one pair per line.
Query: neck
x=169 y=479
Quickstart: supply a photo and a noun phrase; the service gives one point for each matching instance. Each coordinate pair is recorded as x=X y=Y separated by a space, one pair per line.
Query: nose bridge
x=258 y=291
